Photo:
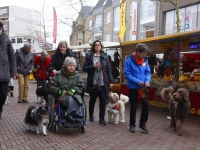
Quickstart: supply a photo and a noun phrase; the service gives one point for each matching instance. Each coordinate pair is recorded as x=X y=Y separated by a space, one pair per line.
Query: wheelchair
x=57 y=116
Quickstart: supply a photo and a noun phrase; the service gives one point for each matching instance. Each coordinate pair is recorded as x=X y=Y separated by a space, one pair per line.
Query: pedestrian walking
x=25 y=65
x=7 y=66
x=138 y=74
x=94 y=62
x=58 y=58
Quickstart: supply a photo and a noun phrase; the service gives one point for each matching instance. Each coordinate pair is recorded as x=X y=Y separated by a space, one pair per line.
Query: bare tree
x=78 y=25
x=175 y=3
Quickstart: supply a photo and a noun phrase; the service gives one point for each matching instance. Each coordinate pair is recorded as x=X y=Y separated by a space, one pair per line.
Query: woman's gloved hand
x=62 y=93
x=71 y=92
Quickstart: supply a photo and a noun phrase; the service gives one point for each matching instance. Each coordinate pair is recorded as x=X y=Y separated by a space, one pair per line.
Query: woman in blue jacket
x=138 y=74
x=93 y=62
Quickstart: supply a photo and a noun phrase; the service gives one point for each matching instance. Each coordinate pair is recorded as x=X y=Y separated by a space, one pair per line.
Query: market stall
x=180 y=63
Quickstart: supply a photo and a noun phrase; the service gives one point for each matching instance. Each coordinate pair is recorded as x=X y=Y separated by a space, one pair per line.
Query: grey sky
x=62 y=9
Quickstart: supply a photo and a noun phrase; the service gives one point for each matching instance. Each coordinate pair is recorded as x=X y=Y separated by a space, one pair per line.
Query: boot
x=11 y=91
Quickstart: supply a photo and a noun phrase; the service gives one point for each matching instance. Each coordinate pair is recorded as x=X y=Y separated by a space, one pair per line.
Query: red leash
x=61 y=98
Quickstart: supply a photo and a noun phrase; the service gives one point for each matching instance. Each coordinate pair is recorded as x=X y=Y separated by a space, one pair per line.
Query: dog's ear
x=184 y=93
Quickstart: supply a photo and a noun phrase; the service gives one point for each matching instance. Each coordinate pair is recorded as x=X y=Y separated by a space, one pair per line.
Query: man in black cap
x=7 y=66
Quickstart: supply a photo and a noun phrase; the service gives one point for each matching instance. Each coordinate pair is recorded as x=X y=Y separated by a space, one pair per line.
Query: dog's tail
x=166 y=93
x=124 y=98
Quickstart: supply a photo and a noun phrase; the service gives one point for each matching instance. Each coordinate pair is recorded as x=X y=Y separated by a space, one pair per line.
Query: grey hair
x=63 y=42
x=27 y=46
x=69 y=60
x=43 y=55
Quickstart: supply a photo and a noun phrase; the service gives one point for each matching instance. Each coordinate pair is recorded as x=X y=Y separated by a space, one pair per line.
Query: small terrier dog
x=37 y=118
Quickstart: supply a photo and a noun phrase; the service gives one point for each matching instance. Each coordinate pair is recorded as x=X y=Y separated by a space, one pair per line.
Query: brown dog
x=179 y=106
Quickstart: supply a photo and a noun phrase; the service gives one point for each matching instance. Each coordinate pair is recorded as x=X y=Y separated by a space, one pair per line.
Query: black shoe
x=70 y=118
x=132 y=129
x=25 y=101
x=102 y=122
x=143 y=129
x=91 y=118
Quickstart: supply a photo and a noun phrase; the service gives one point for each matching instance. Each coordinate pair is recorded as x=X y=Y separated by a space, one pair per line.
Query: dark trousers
x=102 y=103
x=3 y=93
x=134 y=102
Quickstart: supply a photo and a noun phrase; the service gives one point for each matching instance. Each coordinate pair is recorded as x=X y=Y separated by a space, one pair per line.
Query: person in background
x=7 y=66
x=11 y=87
x=138 y=75
x=93 y=61
x=25 y=65
x=42 y=74
x=112 y=64
x=58 y=58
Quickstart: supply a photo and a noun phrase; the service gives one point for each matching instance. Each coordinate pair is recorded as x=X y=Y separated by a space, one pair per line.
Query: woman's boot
x=11 y=91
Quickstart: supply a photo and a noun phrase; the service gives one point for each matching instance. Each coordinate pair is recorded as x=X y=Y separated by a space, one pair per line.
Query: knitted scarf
x=67 y=73
x=141 y=94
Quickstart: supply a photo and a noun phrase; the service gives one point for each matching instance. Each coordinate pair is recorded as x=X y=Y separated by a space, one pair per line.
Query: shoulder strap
x=104 y=75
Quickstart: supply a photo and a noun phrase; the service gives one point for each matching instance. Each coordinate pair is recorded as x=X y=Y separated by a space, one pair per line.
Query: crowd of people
x=61 y=69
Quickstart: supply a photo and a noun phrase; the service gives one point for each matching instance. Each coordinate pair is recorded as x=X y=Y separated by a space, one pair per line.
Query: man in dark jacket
x=58 y=58
x=7 y=66
x=25 y=64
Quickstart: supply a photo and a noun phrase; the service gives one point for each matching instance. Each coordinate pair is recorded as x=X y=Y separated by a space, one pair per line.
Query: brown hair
x=93 y=46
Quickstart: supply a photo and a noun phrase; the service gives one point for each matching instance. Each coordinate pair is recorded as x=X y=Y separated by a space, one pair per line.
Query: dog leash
x=61 y=98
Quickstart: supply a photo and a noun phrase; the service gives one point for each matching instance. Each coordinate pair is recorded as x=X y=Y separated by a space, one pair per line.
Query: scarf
x=141 y=94
x=67 y=73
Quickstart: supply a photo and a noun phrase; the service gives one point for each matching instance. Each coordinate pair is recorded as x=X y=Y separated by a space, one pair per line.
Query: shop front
x=181 y=59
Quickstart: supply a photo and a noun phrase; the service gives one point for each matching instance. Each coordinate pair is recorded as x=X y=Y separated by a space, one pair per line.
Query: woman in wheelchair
x=67 y=87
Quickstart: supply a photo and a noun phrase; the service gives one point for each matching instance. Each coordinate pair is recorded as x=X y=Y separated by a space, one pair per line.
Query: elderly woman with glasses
x=67 y=85
x=95 y=62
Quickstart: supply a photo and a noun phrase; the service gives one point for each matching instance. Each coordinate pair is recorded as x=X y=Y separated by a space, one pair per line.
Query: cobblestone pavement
x=14 y=134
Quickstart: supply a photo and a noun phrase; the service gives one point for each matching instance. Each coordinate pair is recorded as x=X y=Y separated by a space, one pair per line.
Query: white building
x=20 y=24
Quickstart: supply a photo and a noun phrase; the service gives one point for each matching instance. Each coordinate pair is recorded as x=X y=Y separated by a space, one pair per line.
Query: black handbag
x=95 y=89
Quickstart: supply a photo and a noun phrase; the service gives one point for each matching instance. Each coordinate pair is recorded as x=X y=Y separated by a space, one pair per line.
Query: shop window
x=191 y=18
x=116 y=18
x=19 y=40
x=198 y=19
x=169 y=26
x=147 y=30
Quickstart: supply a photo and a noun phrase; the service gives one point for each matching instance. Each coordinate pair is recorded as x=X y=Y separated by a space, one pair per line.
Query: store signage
x=194 y=45
x=134 y=21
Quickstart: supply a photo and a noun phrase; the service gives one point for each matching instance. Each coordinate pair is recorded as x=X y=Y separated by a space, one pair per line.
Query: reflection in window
x=108 y=18
x=108 y=38
x=116 y=36
x=147 y=30
x=169 y=27
x=90 y=24
x=98 y=24
x=147 y=9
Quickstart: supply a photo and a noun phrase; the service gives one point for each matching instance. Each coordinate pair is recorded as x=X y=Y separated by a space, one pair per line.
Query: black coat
x=7 y=59
x=88 y=67
x=58 y=58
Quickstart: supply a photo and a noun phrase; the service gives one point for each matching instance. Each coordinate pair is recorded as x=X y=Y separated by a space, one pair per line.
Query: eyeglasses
x=97 y=45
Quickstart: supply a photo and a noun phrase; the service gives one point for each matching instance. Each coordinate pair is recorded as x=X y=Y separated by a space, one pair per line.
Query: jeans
x=102 y=103
x=133 y=108
x=3 y=93
x=23 y=82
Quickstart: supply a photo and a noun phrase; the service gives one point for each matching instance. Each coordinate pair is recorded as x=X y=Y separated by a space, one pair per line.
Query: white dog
x=116 y=108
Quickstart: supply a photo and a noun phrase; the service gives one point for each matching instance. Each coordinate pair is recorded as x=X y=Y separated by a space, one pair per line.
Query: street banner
x=54 y=25
x=122 y=19
x=134 y=21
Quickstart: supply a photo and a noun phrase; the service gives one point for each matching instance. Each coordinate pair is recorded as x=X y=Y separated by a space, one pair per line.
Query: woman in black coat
x=93 y=61
x=58 y=58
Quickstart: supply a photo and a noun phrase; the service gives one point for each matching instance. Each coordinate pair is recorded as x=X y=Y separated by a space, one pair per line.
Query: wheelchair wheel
x=83 y=129
x=51 y=112
x=85 y=110
x=55 y=128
